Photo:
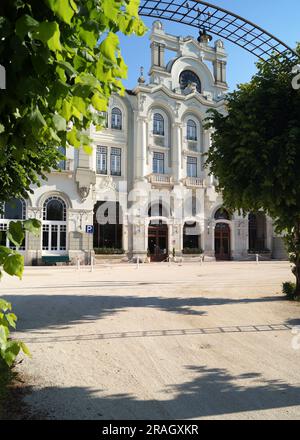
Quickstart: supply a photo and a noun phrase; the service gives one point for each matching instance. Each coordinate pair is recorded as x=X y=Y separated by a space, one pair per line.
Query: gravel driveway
x=159 y=342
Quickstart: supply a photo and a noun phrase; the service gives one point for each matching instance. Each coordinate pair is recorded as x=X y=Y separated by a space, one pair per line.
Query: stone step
x=111 y=259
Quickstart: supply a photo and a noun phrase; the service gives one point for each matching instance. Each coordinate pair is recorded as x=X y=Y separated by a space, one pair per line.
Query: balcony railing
x=194 y=182
x=160 y=179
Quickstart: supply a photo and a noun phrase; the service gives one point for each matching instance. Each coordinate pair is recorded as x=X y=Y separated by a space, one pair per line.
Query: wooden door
x=222 y=242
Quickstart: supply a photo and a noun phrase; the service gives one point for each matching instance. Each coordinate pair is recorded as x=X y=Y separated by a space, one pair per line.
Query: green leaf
x=4 y=305
x=63 y=9
x=89 y=37
x=59 y=123
x=133 y=8
x=11 y=352
x=73 y=139
x=16 y=233
x=24 y=348
x=11 y=319
x=14 y=265
x=99 y=102
x=109 y=47
x=36 y=118
x=33 y=226
x=25 y=24
x=49 y=34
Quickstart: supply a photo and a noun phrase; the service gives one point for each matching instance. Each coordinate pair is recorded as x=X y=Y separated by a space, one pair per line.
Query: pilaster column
x=141 y=149
x=177 y=152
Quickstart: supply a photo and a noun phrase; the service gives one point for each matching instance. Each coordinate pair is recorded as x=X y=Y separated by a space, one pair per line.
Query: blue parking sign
x=89 y=229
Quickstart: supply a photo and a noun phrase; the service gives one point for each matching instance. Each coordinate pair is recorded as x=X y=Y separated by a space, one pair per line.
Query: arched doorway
x=222 y=242
x=54 y=239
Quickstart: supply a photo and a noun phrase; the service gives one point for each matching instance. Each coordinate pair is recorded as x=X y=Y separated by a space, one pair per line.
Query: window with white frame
x=191 y=132
x=191 y=166
x=13 y=210
x=101 y=160
x=62 y=163
x=115 y=161
x=54 y=238
x=158 y=124
x=116 y=119
x=158 y=163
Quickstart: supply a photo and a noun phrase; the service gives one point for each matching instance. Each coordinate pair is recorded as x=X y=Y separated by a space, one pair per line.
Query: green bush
x=9 y=348
x=108 y=251
x=192 y=251
x=12 y=263
x=289 y=290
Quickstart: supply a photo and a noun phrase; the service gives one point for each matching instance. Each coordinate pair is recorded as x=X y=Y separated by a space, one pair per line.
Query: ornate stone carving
x=84 y=192
x=107 y=183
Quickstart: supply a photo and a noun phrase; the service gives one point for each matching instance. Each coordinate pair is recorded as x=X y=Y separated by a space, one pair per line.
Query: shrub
x=108 y=251
x=192 y=251
x=9 y=348
x=289 y=290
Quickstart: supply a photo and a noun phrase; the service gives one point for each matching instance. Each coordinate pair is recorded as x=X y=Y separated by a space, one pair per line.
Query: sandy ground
x=159 y=342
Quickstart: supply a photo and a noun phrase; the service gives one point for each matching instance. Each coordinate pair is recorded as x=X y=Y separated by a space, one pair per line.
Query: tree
x=255 y=152
x=62 y=62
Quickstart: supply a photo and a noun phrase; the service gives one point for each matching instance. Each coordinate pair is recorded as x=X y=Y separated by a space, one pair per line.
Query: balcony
x=160 y=179
x=194 y=182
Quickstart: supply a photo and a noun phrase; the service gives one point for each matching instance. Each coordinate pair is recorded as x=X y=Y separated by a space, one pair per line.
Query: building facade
x=144 y=192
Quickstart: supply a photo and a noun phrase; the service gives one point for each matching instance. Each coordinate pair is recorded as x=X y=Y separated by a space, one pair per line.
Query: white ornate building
x=149 y=165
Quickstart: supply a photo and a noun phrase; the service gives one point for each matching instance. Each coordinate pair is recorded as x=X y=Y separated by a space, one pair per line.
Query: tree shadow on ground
x=212 y=392
x=51 y=311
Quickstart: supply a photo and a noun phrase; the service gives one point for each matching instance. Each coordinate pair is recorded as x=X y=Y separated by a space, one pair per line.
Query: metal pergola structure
x=218 y=21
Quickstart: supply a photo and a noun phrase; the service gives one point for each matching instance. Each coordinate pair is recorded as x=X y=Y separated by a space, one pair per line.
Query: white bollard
x=257 y=259
x=138 y=262
x=78 y=263
x=92 y=264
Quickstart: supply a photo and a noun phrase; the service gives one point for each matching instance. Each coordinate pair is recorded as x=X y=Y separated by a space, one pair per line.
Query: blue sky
x=281 y=18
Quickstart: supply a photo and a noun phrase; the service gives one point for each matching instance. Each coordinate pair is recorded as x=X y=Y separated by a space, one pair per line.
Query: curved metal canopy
x=218 y=21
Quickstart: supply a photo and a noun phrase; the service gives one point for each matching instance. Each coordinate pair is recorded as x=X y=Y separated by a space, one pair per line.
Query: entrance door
x=222 y=242
x=158 y=242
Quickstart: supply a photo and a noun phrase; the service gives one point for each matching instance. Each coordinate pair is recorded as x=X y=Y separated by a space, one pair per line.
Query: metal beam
x=220 y=22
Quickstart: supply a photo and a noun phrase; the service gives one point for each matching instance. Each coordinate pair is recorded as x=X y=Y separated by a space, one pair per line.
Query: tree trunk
x=297 y=275
x=297 y=259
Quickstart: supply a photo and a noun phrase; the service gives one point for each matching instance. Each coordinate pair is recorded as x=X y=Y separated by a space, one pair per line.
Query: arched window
x=187 y=77
x=116 y=119
x=191 y=132
x=158 y=124
x=222 y=214
x=54 y=225
x=15 y=209
x=54 y=209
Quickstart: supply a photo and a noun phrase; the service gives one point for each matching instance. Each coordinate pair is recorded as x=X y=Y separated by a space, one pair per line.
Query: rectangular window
x=45 y=237
x=101 y=160
x=63 y=238
x=115 y=162
x=54 y=237
x=191 y=166
x=4 y=240
x=62 y=162
x=158 y=163
x=3 y=229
